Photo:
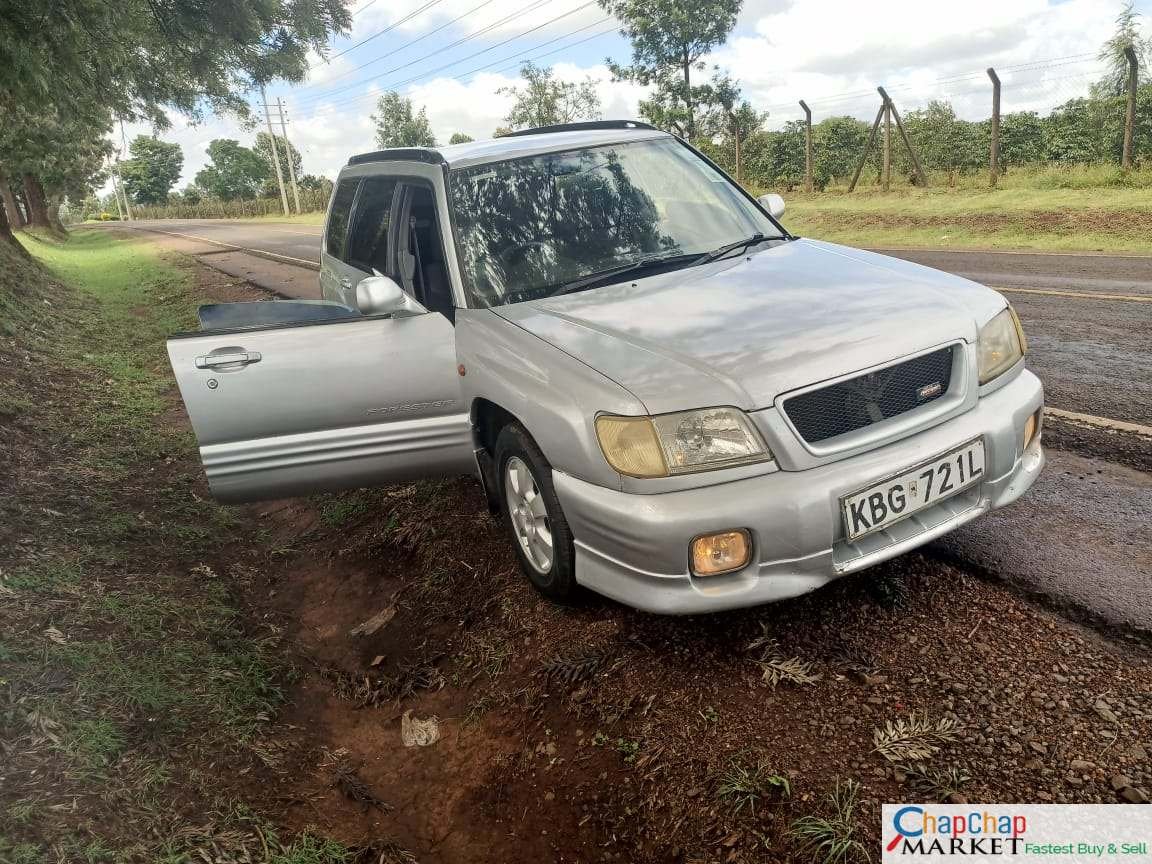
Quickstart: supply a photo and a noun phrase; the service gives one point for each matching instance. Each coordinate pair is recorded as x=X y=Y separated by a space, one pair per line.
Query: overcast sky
x=452 y=56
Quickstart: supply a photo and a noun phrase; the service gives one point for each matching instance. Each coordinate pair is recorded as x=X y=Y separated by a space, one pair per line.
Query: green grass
x=1085 y=208
x=123 y=646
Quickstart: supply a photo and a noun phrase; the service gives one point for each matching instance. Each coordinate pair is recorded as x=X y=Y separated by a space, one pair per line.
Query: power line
x=412 y=42
x=328 y=94
x=517 y=58
x=387 y=29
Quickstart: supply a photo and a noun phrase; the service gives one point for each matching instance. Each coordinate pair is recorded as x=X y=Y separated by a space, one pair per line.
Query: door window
x=371 y=227
x=337 y=232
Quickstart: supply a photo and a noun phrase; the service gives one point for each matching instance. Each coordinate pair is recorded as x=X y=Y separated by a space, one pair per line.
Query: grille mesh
x=866 y=399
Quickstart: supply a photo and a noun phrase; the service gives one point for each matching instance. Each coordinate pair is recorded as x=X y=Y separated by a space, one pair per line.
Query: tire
x=541 y=537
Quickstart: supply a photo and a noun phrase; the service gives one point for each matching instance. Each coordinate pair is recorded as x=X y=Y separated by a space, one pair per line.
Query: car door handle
x=240 y=358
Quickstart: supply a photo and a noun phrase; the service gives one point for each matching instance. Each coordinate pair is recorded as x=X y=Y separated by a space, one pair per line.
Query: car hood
x=744 y=330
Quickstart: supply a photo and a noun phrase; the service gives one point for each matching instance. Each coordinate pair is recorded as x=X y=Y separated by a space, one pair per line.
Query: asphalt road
x=1082 y=535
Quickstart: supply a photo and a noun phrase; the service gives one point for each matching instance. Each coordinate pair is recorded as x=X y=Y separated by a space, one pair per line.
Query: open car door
x=292 y=408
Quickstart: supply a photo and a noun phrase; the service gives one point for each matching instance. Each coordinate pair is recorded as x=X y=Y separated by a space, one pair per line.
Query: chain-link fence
x=1052 y=127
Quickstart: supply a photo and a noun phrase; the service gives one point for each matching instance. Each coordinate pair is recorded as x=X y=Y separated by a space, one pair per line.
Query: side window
x=368 y=240
x=336 y=235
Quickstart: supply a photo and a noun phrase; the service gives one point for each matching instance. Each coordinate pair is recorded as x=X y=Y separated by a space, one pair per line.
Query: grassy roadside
x=128 y=677
x=1085 y=220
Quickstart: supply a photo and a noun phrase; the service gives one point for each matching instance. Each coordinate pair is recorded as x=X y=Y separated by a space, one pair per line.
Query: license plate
x=899 y=497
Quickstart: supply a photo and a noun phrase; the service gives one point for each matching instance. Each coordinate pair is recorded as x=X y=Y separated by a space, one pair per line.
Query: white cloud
x=825 y=52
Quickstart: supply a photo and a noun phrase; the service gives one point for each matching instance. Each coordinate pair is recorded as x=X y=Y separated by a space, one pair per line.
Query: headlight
x=1001 y=345
x=679 y=443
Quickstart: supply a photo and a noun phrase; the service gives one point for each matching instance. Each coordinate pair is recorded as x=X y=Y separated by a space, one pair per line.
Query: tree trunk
x=54 y=218
x=687 y=66
x=37 y=203
x=15 y=217
x=6 y=235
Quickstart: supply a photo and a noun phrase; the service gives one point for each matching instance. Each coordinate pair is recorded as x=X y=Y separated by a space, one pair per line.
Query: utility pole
x=275 y=156
x=1130 y=114
x=994 y=156
x=123 y=189
x=807 y=146
x=288 y=155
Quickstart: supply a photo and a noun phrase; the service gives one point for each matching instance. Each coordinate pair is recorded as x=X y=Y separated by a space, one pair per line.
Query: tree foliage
x=1114 y=54
x=134 y=57
x=285 y=150
x=398 y=124
x=153 y=170
x=460 y=138
x=233 y=172
x=544 y=100
x=669 y=38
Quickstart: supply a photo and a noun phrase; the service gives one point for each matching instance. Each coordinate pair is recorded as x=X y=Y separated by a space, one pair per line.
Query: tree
x=153 y=170
x=132 y=57
x=399 y=125
x=1113 y=53
x=669 y=38
x=460 y=138
x=263 y=147
x=546 y=101
x=943 y=141
x=234 y=172
x=1022 y=138
x=51 y=154
x=730 y=116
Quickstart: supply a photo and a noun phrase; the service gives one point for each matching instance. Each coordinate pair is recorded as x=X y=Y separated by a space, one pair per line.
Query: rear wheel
x=542 y=538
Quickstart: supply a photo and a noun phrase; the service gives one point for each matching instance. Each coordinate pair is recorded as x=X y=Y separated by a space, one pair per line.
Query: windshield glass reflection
x=526 y=227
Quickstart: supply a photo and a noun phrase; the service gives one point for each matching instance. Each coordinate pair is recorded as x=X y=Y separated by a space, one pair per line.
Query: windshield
x=527 y=227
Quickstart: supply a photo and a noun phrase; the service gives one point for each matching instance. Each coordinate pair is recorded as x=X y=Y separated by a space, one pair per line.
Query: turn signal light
x=714 y=554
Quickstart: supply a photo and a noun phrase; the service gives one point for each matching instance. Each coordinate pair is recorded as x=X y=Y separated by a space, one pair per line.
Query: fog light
x=1032 y=427
x=713 y=554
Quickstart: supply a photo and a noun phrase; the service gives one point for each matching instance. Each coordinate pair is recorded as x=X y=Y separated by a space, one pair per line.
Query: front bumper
x=634 y=548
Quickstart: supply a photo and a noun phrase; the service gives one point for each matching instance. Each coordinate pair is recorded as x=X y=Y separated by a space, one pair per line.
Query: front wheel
x=543 y=540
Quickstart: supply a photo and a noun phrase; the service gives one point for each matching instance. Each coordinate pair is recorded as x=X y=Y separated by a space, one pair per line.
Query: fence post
x=807 y=146
x=887 y=146
x=994 y=155
x=868 y=146
x=1130 y=114
x=904 y=135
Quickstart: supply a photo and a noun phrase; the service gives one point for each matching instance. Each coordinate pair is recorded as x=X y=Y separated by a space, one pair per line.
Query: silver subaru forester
x=673 y=401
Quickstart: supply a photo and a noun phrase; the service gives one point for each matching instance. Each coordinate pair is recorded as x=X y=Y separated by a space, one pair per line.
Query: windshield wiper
x=639 y=264
x=715 y=254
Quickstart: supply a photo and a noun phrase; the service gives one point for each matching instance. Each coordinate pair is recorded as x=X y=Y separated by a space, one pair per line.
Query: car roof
x=520 y=144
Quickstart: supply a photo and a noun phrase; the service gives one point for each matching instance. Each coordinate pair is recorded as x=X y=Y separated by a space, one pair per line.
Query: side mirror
x=380 y=295
x=773 y=203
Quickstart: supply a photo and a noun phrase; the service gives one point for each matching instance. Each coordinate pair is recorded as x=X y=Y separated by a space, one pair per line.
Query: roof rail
x=407 y=154
x=581 y=127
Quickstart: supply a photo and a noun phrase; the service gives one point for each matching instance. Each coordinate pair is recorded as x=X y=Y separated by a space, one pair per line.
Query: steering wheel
x=508 y=253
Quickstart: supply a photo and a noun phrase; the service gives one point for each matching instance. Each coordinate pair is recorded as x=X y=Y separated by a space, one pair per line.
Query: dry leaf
x=374 y=623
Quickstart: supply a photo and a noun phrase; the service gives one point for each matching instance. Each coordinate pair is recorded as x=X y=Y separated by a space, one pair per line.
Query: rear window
x=368 y=240
x=335 y=239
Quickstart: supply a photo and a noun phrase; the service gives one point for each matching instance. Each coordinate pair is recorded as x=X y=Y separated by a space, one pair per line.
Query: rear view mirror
x=380 y=295
x=773 y=203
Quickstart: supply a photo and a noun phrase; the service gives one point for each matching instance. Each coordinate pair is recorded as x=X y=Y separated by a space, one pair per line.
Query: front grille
x=866 y=399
